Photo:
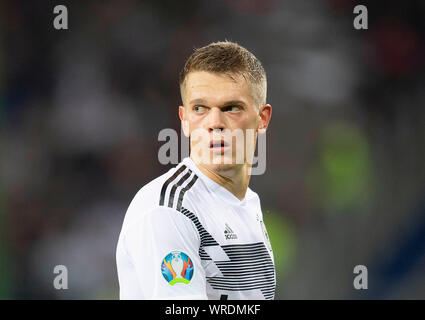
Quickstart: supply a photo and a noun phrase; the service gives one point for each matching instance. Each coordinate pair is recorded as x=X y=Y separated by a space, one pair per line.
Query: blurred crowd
x=81 y=110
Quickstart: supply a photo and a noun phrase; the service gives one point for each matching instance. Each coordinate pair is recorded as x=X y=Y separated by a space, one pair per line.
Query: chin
x=221 y=167
x=224 y=164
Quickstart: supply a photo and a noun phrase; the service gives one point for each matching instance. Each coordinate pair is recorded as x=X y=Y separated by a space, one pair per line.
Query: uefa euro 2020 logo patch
x=177 y=267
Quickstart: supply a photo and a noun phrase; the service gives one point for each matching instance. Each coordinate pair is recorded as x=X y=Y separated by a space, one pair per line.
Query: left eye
x=232 y=108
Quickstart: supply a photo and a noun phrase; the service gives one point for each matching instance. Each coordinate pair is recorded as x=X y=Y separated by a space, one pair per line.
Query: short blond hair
x=228 y=58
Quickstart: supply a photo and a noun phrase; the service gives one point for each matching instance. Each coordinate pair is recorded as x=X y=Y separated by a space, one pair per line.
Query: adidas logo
x=229 y=234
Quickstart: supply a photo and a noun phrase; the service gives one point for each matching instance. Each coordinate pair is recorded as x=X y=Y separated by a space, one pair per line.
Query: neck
x=233 y=178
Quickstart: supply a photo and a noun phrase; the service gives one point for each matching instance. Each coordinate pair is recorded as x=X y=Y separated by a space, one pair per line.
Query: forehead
x=215 y=87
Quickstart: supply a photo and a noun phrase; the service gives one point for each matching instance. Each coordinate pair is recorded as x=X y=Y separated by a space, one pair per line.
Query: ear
x=184 y=121
x=265 y=115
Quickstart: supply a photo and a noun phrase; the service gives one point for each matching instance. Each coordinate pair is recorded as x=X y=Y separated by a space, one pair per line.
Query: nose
x=215 y=120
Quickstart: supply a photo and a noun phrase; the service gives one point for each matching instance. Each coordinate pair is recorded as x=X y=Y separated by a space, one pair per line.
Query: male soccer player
x=197 y=231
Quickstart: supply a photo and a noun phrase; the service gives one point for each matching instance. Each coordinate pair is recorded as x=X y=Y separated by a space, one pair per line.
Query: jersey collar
x=214 y=186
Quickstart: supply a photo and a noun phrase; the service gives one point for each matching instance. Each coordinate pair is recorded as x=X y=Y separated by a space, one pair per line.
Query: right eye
x=199 y=109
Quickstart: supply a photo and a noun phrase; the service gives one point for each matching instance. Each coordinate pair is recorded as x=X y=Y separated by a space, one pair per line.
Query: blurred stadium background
x=81 y=110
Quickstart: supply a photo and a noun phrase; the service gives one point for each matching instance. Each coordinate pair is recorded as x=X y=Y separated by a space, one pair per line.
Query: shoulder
x=252 y=195
x=154 y=197
x=254 y=202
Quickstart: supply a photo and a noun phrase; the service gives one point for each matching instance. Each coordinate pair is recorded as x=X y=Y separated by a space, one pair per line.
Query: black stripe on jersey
x=184 y=190
x=165 y=185
x=206 y=238
x=203 y=254
x=250 y=267
x=176 y=185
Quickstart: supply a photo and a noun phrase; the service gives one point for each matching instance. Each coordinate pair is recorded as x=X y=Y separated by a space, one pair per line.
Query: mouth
x=218 y=143
x=219 y=146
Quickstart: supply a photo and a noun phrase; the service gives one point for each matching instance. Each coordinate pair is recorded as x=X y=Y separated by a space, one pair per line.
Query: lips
x=218 y=144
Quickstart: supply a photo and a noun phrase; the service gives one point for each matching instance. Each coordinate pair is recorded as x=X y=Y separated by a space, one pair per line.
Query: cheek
x=249 y=121
x=194 y=123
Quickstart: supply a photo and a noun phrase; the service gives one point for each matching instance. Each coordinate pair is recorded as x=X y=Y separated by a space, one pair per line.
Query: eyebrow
x=225 y=104
x=202 y=101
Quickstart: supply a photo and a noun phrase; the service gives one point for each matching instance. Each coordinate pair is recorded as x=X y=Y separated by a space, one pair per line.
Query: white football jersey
x=186 y=237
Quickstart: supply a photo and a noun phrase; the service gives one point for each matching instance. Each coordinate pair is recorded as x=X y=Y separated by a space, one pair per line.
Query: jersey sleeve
x=163 y=246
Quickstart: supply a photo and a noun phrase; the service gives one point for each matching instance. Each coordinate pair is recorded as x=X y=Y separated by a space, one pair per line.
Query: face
x=221 y=118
